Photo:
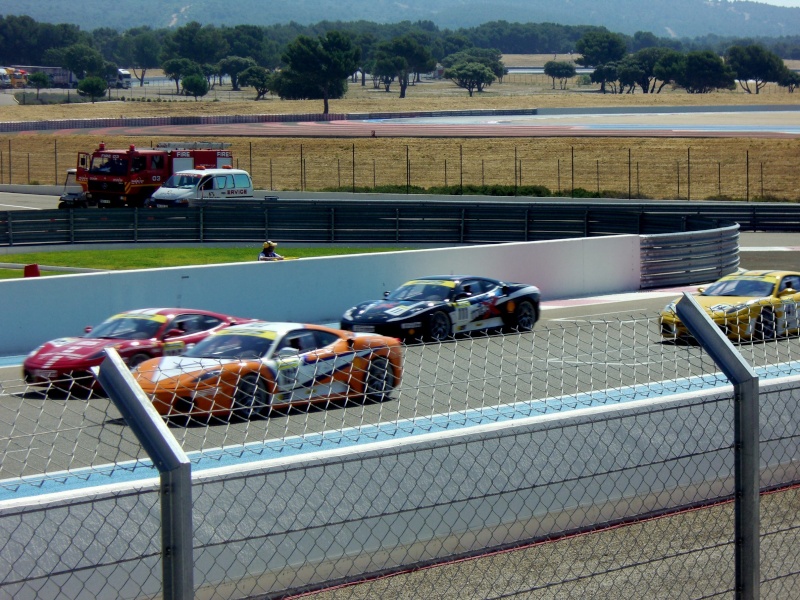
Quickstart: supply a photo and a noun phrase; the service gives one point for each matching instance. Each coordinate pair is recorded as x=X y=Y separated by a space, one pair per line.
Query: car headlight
x=670 y=308
x=208 y=375
x=35 y=351
x=732 y=309
x=349 y=313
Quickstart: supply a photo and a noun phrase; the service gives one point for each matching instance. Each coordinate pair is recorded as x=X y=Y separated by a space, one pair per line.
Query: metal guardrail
x=359 y=221
x=689 y=257
x=676 y=248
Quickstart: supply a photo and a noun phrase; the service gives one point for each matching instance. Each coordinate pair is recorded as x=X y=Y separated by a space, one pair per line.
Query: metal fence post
x=746 y=442
x=177 y=560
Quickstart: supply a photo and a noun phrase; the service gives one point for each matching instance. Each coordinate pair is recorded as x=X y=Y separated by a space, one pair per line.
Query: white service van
x=185 y=188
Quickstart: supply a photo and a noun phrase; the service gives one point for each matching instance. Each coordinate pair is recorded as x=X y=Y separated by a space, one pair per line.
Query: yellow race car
x=751 y=305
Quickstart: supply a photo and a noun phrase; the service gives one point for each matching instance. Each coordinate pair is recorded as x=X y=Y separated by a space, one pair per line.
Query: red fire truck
x=127 y=178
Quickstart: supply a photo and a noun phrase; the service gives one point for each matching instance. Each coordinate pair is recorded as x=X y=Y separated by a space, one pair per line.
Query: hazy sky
x=792 y=3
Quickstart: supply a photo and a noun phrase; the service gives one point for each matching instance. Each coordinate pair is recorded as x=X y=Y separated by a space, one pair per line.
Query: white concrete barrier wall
x=360 y=518
x=307 y=290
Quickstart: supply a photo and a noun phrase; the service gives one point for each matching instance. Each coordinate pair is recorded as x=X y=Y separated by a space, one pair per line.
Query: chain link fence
x=588 y=457
x=657 y=168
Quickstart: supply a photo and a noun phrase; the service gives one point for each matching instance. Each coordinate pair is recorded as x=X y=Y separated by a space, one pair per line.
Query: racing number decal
x=287 y=372
x=462 y=311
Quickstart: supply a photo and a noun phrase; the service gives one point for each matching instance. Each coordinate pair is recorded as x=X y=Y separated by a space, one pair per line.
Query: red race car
x=63 y=365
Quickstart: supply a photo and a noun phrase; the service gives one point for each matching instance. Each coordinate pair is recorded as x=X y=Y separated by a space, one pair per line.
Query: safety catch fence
x=588 y=457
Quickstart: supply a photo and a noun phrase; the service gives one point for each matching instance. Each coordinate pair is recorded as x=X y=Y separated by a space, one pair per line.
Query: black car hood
x=390 y=310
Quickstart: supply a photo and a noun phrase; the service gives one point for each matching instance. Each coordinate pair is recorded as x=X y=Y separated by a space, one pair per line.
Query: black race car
x=436 y=308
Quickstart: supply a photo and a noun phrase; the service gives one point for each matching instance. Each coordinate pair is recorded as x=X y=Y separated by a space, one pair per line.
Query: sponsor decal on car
x=173 y=348
x=401 y=309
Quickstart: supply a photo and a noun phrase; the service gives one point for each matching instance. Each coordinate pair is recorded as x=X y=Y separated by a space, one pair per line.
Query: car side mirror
x=787 y=292
x=461 y=296
x=700 y=290
x=288 y=351
x=174 y=333
x=386 y=294
x=88 y=329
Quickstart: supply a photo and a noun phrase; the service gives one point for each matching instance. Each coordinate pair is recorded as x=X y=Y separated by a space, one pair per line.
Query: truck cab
x=128 y=177
x=185 y=188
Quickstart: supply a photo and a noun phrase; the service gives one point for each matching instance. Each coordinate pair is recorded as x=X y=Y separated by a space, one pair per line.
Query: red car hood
x=78 y=350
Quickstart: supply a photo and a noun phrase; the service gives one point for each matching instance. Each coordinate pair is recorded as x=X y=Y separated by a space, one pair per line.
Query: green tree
x=754 y=64
x=630 y=74
x=600 y=47
x=179 y=68
x=251 y=41
x=669 y=68
x=258 y=78
x=407 y=56
x=488 y=57
x=385 y=68
x=198 y=43
x=324 y=64
x=606 y=74
x=366 y=43
x=195 y=85
x=705 y=72
x=288 y=86
x=94 y=87
x=38 y=80
x=233 y=65
x=83 y=60
x=142 y=50
x=559 y=70
x=471 y=76
x=646 y=61
x=789 y=79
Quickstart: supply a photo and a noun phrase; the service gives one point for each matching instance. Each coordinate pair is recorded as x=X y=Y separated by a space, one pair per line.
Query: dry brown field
x=642 y=167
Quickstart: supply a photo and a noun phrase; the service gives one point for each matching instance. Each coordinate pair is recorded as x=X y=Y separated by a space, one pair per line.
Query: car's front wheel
x=439 y=327
x=137 y=359
x=525 y=316
x=767 y=325
x=251 y=398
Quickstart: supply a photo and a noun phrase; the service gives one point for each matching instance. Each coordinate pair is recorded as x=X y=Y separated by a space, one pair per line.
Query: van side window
x=207 y=184
x=138 y=163
x=223 y=181
x=242 y=180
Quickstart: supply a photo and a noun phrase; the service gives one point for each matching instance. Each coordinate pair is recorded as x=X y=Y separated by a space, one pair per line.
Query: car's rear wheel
x=767 y=325
x=525 y=316
x=439 y=327
x=251 y=398
x=380 y=380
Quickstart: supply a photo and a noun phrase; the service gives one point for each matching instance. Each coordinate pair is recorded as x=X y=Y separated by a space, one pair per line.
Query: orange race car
x=248 y=370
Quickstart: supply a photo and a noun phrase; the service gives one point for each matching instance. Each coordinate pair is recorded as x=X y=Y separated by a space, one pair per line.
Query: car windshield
x=740 y=287
x=183 y=181
x=125 y=328
x=231 y=346
x=420 y=291
x=109 y=165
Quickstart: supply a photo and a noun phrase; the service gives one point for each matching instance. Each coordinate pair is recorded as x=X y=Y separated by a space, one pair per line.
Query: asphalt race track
x=780 y=122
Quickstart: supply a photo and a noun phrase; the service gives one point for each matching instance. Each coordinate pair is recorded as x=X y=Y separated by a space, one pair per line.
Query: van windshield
x=182 y=180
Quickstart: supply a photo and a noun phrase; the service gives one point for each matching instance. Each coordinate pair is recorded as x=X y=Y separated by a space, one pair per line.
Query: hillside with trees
x=303 y=64
x=664 y=18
